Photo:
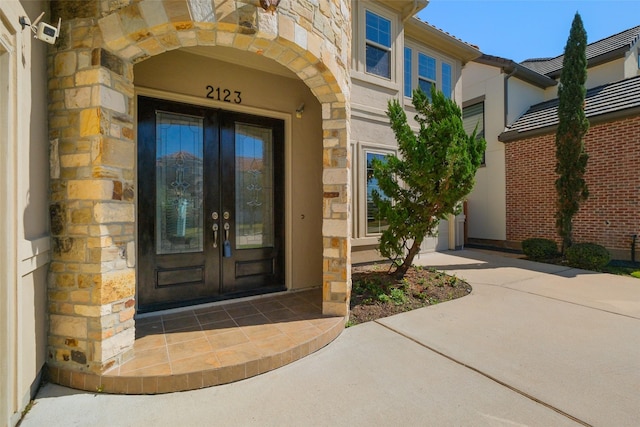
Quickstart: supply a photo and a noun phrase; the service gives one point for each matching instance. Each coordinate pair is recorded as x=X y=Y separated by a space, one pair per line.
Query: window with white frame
x=426 y=70
x=446 y=78
x=408 y=71
x=378 y=45
x=472 y=116
x=374 y=225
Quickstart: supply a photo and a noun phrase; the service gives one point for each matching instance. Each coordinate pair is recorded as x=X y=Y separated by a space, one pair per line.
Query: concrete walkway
x=533 y=344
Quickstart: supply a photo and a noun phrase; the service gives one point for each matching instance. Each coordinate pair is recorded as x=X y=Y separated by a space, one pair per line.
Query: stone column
x=92 y=274
x=336 y=225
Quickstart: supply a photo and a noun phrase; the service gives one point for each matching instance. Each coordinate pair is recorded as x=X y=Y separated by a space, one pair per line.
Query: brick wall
x=608 y=217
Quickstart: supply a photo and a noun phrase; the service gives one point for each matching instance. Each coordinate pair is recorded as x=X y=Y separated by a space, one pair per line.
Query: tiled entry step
x=214 y=345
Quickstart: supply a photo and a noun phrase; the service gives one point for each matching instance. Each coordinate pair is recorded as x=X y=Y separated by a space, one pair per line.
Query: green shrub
x=539 y=249
x=589 y=256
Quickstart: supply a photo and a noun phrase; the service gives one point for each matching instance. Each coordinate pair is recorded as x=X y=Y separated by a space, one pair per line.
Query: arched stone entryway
x=92 y=279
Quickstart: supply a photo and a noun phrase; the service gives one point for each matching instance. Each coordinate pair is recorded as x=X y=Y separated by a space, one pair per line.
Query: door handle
x=226 y=231
x=214 y=227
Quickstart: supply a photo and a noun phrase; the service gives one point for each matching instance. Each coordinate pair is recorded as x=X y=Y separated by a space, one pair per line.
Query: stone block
x=114 y=212
x=300 y=36
x=59 y=295
x=87 y=310
x=335 y=227
x=152 y=46
x=113 y=152
x=286 y=27
x=112 y=100
x=176 y=11
x=69 y=249
x=68 y=326
x=202 y=11
x=90 y=122
x=116 y=285
x=188 y=38
x=335 y=176
x=115 y=345
x=82 y=216
x=152 y=13
x=77 y=97
x=99 y=242
x=80 y=296
x=225 y=38
x=131 y=254
x=90 y=189
x=75 y=160
x=65 y=64
x=111 y=28
x=267 y=26
x=335 y=308
x=127 y=314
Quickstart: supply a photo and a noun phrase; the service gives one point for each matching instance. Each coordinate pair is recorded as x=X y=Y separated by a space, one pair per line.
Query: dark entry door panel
x=210 y=203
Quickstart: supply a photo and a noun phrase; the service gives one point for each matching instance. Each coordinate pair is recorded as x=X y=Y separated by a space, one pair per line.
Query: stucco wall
x=606 y=73
x=24 y=206
x=486 y=217
x=608 y=217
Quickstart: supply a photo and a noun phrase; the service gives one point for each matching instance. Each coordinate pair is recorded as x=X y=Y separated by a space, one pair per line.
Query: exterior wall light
x=269 y=5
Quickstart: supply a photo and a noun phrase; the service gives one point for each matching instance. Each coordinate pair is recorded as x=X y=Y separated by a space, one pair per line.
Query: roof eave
x=597 y=60
x=513 y=135
x=406 y=6
x=421 y=31
x=522 y=72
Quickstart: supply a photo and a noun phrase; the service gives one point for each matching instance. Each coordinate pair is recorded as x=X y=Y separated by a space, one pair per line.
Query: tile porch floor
x=221 y=343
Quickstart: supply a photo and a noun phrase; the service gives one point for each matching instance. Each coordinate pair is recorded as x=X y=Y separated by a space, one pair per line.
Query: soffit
x=239 y=57
x=433 y=37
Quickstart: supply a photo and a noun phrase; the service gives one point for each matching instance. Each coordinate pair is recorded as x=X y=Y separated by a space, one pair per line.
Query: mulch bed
x=421 y=287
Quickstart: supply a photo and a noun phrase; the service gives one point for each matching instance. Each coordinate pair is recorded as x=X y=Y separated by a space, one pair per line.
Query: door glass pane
x=254 y=186
x=179 y=155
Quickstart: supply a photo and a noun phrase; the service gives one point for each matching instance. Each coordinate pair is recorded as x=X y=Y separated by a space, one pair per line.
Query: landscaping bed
x=376 y=294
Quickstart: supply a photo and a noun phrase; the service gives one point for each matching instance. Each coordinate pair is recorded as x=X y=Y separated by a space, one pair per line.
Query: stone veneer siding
x=608 y=217
x=92 y=276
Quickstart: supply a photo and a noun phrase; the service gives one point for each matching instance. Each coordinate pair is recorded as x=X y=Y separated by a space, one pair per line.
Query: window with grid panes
x=378 y=45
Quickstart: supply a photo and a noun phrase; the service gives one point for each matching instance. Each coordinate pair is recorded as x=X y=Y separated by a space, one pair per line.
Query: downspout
x=506 y=94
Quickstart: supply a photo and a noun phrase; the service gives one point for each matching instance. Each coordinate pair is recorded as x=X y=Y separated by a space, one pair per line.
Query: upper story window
x=424 y=70
x=472 y=116
x=378 y=45
x=446 y=80
x=408 y=71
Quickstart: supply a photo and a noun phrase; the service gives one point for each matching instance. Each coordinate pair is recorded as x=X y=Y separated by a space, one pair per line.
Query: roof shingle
x=621 y=41
x=609 y=98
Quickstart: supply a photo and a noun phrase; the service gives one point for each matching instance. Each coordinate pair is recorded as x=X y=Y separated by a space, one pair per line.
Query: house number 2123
x=221 y=94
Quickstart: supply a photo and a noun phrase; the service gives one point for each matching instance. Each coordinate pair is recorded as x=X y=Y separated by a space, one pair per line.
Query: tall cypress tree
x=571 y=158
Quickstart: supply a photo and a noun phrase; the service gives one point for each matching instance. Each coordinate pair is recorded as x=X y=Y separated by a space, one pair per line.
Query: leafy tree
x=435 y=170
x=571 y=158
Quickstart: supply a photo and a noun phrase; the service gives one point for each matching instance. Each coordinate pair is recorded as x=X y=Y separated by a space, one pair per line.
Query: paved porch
x=215 y=344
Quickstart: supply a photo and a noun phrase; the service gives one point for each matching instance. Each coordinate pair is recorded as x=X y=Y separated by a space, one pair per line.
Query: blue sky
x=521 y=29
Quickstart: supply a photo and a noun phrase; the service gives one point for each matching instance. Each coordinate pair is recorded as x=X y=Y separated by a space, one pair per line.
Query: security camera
x=43 y=31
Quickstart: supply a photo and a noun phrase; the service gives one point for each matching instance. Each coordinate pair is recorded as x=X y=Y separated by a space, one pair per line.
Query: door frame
x=209 y=103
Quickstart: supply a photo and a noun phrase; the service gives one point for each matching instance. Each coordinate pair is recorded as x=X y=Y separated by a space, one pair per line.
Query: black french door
x=210 y=204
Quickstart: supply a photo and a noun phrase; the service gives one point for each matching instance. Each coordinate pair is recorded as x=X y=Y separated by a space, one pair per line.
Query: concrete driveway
x=533 y=344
